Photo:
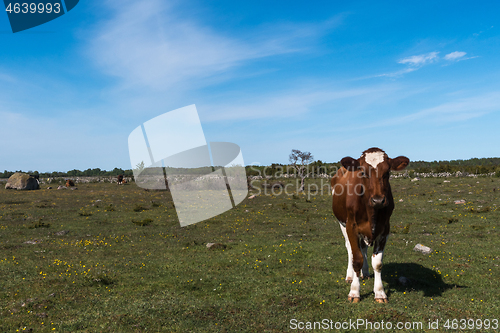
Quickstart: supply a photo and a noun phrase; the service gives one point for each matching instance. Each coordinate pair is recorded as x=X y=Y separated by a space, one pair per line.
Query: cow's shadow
x=414 y=277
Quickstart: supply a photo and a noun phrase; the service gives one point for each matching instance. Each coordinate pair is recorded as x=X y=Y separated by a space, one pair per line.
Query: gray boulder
x=22 y=181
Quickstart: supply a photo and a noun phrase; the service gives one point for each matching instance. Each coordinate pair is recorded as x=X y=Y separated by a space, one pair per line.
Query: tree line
x=471 y=166
x=73 y=173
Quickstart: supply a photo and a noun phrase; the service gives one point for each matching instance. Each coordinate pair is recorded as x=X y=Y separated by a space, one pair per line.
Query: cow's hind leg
x=365 y=273
x=378 y=288
x=350 y=271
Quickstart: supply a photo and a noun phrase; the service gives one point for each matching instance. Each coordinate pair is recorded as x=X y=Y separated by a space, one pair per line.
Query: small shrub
x=139 y=208
x=99 y=277
x=400 y=229
x=39 y=224
x=155 y=204
x=143 y=222
x=478 y=227
x=85 y=213
x=109 y=208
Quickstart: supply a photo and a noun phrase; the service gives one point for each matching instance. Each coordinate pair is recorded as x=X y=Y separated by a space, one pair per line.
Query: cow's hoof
x=381 y=300
x=353 y=299
x=348 y=280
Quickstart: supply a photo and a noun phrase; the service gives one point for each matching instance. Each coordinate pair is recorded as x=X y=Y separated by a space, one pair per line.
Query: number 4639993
x=32 y=8
x=471 y=324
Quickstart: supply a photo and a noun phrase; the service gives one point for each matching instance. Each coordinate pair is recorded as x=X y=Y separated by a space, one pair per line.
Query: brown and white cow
x=363 y=204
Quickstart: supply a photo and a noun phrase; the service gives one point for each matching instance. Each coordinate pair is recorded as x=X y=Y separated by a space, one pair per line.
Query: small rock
x=74 y=188
x=61 y=233
x=252 y=196
x=416 y=179
x=446 y=181
x=459 y=202
x=34 y=241
x=49 y=188
x=400 y=200
x=60 y=187
x=422 y=248
x=212 y=246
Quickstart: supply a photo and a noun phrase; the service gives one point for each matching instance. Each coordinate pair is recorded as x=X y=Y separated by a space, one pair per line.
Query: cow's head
x=372 y=169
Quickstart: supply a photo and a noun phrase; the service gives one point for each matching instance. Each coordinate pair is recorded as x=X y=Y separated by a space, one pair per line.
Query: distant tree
x=299 y=161
x=139 y=168
x=118 y=171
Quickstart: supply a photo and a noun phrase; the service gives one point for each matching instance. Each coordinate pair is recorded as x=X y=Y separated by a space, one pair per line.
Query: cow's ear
x=399 y=163
x=350 y=163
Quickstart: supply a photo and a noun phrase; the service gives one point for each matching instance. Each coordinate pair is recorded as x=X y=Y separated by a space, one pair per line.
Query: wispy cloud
x=419 y=60
x=457 y=56
x=295 y=102
x=416 y=62
x=154 y=45
x=412 y=63
x=454 y=55
x=454 y=111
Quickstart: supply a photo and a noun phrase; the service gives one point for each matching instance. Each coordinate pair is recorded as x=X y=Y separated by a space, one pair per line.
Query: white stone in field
x=422 y=248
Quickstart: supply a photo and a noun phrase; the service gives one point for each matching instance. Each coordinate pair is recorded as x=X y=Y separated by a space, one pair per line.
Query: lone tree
x=299 y=161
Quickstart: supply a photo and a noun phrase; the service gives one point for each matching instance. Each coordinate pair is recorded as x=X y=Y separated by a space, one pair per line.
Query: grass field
x=127 y=266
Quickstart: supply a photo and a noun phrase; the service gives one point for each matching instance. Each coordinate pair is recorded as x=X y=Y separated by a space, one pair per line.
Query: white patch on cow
x=350 y=270
x=374 y=158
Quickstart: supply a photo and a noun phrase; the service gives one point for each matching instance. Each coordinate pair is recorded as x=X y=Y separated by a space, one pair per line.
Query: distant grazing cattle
x=69 y=183
x=363 y=204
x=121 y=180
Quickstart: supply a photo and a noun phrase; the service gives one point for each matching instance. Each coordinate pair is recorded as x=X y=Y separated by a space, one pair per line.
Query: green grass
x=127 y=266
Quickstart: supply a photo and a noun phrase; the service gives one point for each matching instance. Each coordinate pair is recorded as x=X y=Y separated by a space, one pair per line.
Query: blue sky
x=332 y=77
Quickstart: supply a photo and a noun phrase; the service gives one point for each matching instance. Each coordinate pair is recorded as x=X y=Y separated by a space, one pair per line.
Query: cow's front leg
x=357 y=264
x=378 y=288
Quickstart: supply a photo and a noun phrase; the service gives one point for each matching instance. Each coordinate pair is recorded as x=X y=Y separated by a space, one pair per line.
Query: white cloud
x=454 y=55
x=420 y=60
x=412 y=63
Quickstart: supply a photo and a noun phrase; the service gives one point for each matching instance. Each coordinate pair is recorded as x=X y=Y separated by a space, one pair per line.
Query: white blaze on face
x=374 y=158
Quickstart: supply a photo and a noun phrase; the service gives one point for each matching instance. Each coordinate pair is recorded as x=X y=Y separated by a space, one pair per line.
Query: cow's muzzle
x=378 y=202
